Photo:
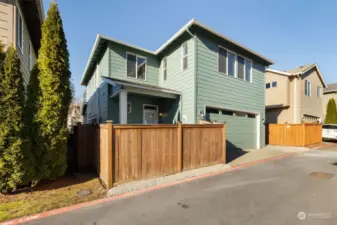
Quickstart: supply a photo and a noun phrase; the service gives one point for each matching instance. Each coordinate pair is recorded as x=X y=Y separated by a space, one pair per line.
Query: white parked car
x=329 y=132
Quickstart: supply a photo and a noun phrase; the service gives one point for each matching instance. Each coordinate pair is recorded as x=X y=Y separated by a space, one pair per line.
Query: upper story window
x=164 y=68
x=319 y=92
x=184 y=56
x=136 y=66
x=267 y=85
x=19 y=31
x=307 y=88
x=234 y=65
x=274 y=84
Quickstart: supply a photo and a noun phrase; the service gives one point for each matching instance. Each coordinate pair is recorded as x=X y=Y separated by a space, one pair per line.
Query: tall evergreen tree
x=12 y=155
x=31 y=128
x=331 y=112
x=55 y=97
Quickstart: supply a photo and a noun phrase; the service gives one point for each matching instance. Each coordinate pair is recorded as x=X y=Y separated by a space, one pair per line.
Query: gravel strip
x=144 y=184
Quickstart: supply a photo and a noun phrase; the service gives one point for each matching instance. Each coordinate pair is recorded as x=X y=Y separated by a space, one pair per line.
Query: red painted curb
x=125 y=195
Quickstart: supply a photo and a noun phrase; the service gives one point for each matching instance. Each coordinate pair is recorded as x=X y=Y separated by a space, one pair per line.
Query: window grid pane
x=222 y=61
x=141 y=64
x=231 y=64
x=267 y=85
x=131 y=65
x=248 y=72
x=240 y=64
x=274 y=84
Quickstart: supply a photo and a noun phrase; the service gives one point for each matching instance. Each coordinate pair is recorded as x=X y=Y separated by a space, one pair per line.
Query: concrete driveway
x=276 y=192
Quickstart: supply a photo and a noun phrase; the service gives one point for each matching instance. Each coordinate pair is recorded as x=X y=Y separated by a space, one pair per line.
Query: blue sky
x=291 y=33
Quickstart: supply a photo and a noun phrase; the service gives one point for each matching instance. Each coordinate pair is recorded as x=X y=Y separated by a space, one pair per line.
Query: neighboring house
x=294 y=96
x=329 y=92
x=197 y=74
x=20 y=25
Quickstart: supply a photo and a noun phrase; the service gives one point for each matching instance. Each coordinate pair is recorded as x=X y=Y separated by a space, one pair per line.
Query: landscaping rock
x=84 y=193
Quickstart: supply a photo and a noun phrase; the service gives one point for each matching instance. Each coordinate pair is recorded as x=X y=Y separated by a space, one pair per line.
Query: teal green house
x=198 y=74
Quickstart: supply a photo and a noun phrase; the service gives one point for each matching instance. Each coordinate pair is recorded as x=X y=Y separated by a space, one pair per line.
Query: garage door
x=241 y=128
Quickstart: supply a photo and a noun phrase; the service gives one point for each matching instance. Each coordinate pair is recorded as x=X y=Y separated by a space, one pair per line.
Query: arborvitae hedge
x=331 y=112
x=12 y=152
x=55 y=97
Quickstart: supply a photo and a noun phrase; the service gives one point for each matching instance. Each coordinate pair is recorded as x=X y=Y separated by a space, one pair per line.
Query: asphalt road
x=277 y=192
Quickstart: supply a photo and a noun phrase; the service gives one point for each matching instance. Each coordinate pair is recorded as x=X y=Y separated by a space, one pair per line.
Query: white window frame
x=164 y=69
x=269 y=85
x=319 y=92
x=275 y=81
x=184 y=56
x=126 y=66
x=19 y=18
x=236 y=65
x=308 y=87
x=129 y=104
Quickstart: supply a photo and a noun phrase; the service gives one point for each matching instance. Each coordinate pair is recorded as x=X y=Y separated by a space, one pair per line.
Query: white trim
x=257 y=117
x=258 y=131
x=280 y=72
x=295 y=100
x=157 y=112
x=307 y=87
x=163 y=68
x=182 y=56
x=123 y=107
x=319 y=92
x=136 y=69
x=141 y=87
x=150 y=92
x=19 y=17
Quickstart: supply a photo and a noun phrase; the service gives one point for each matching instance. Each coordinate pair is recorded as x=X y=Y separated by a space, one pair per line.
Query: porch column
x=123 y=107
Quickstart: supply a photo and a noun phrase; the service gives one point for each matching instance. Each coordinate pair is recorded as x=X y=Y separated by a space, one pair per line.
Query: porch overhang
x=139 y=88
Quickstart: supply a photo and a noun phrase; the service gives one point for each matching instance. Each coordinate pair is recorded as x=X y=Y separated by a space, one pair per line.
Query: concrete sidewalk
x=265 y=153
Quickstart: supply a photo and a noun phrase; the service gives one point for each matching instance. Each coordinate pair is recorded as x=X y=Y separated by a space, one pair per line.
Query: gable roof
x=300 y=71
x=331 y=88
x=100 y=39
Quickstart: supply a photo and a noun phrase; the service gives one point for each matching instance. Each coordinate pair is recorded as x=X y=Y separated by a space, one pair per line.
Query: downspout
x=295 y=102
x=194 y=74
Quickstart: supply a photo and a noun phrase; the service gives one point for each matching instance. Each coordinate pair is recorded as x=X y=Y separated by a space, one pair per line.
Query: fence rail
x=294 y=134
x=122 y=153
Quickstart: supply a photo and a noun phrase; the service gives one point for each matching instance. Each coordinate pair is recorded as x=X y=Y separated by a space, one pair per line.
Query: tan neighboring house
x=294 y=96
x=329 y=92
x=20 y=25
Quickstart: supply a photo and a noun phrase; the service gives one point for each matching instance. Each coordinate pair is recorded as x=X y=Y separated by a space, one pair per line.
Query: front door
x=150 y=113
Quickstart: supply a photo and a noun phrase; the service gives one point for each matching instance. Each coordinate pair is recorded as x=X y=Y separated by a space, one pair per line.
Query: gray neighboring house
x=329 y=92
x=197 y=74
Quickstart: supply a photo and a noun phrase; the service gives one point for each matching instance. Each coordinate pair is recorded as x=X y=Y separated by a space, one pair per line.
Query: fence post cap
x=109 y=121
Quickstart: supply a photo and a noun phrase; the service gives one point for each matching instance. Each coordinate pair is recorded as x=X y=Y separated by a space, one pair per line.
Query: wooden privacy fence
x=122 y=153
x=294 y=134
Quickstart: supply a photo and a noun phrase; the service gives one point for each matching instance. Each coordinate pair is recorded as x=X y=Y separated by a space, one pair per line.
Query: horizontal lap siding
x=181 y=80
x=118 y=64
x=217 y=89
